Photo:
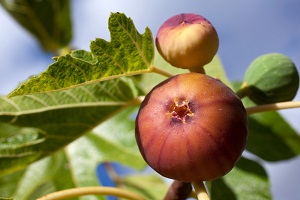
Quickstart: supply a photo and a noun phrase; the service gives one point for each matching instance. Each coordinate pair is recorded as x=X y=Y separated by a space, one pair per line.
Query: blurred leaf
x=216 y=70
x=45 y=176
x=150 y=186
x=34 y=126
x=247 y=181
x=75 y=166
x=271 y=137
x=128 y=53
x=48 y=20
x=113 y=140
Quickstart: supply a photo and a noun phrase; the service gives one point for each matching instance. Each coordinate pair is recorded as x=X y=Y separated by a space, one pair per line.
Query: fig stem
x=198 y=70
x=273 y=107
x=201 y=190
x=160 y=71
x=244 y=91
x=96 y=190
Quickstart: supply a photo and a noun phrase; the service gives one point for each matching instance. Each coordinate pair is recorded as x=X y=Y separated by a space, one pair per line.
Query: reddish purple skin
x=211 y=141
x=188 y=18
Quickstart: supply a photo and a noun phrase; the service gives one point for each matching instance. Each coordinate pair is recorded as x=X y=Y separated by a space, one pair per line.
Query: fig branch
x=273 y=107
x=201 y=191
x=96 y=190
x=160 y=71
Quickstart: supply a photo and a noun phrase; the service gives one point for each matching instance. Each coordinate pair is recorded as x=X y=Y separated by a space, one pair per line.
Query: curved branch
x=96 y=190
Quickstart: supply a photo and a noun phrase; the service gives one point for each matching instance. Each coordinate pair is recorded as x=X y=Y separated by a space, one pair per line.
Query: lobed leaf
x=48 y=21
x=127 y=53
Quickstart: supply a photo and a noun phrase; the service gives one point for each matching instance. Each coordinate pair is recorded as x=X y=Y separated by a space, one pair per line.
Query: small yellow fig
x=187 y=41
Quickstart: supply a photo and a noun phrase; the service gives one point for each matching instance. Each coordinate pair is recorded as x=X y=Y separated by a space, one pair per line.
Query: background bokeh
x=247 y=29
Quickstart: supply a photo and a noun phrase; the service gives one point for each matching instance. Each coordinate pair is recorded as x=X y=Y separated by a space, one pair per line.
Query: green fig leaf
x=215 y=69
x=48 y=21
x=270 y=136
x=247 y=180
x=111 y=141
x=149 y=186
x=128 y=53
x=34 y=126
x=45 y=176
x=75 y=165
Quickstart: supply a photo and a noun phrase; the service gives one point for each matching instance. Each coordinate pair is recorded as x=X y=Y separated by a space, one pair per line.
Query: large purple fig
x=191 y=127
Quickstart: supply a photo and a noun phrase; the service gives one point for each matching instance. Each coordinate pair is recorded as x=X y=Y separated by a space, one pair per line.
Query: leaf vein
x=70 y=94
x=88 y=92
x=37 y=100
x=66 y=106
x=113 y=59
x=135 y=43
x=11 y=103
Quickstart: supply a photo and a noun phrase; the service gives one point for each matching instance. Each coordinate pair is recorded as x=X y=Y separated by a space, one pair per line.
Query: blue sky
x=247 y=29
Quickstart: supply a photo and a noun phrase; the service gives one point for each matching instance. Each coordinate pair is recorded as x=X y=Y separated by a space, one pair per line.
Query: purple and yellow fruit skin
x=208 y=144
x=187 y=41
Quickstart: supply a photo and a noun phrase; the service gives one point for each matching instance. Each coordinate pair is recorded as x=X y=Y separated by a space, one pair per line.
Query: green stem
x=160 y=71
x=273 y=107
x=96 y=190
x=137 y=100
x=244 y=91
x=200 y=191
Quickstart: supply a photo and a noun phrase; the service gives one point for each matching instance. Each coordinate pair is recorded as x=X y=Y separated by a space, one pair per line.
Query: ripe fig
x=187 y=41
x=191 y=127
x=271 y=78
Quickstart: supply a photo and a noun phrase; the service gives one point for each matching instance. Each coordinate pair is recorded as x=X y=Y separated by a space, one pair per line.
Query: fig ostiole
x=187 y=41
x=191 y=127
